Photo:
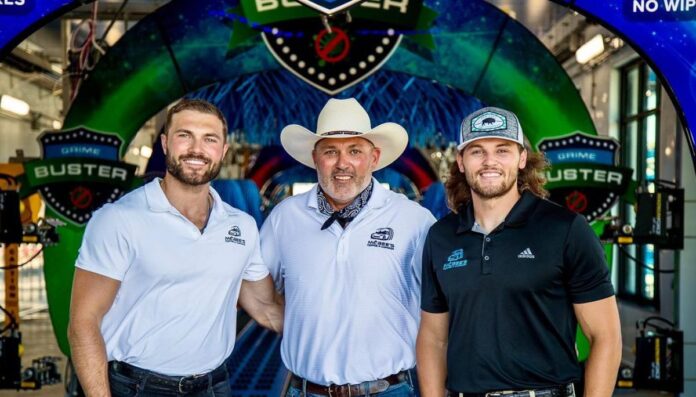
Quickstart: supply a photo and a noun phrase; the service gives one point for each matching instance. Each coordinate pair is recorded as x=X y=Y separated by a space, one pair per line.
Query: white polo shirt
x=352 y=296
x=175 y=311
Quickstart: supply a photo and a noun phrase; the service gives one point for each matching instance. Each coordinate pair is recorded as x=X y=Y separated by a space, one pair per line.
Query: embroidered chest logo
x=456 y=259
x=380 y=237
x=527 y=254
x=233 y=236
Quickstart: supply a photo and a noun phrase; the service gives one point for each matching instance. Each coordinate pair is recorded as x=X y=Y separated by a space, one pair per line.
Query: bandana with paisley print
x=348 y=213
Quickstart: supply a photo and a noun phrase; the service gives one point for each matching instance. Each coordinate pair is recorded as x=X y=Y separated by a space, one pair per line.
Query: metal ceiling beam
x=134 y=10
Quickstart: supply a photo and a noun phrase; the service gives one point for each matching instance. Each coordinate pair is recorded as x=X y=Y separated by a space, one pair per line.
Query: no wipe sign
x=659 y=10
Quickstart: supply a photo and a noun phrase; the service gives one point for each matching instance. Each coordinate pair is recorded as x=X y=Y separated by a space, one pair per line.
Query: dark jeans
x=137 y=385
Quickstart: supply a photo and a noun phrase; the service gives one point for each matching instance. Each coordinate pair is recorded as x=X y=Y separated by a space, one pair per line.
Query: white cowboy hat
x=344 y=118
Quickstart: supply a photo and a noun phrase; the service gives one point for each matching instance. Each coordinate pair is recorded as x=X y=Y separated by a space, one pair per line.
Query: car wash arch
x=466 y=53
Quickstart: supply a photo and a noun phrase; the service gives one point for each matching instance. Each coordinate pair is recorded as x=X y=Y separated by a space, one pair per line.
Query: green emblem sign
x=332 y=54
x=584 y=176
x=80 y=171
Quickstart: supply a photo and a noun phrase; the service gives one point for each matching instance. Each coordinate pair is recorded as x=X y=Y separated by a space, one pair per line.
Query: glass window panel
x=630 y=214
x=629 y=281
x=651 y=150
x=631 y=147
x=632 y=95
x=648 y=276
x=640 y=143
x=651 y=94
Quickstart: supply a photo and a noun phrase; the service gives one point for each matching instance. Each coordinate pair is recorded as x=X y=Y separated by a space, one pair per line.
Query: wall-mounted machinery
x=14 y=230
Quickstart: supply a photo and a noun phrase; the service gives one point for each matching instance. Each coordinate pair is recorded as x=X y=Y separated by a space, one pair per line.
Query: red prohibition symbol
x=81 y=197
x=336 y=48
x=576 y=201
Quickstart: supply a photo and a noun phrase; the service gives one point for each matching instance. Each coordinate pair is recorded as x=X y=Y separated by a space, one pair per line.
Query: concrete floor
x=38 y=340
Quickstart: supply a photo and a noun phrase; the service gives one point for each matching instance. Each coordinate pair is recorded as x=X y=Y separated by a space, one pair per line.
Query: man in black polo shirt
x=507 y=278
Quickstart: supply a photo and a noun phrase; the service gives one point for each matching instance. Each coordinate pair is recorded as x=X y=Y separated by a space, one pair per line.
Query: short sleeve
x=270 y=254
x=255 y=270
x=432 y=298
x=106 y=248
x=417 y=259
x=585 y=265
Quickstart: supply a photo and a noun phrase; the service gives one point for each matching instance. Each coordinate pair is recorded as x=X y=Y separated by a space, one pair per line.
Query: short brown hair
x=531 y=178
x=198 y=105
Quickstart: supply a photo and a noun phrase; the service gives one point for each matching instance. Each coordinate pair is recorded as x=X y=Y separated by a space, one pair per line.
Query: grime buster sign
x=584 y=176
x=80 y=171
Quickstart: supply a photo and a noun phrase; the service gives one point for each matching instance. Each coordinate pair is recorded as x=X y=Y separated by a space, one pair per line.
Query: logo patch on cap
x=488 y=121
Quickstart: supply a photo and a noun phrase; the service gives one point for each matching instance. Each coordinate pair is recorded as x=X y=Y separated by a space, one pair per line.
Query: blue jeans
x=124 y=386
x=403 y=389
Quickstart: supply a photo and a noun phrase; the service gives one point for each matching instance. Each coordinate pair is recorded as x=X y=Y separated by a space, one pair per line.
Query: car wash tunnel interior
x=420 y=63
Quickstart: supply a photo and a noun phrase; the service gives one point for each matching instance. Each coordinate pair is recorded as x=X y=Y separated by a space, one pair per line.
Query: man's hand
x=260 y=300
x=92 y=296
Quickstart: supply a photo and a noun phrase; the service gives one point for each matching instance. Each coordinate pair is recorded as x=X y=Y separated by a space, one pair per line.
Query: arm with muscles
x=259 y=299
x=92 y=296
x=595 y=307
x=431 y=353
x=600 y=323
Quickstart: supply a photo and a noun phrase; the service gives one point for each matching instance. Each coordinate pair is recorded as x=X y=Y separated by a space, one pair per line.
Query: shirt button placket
x=486 y=266
x=341 y=254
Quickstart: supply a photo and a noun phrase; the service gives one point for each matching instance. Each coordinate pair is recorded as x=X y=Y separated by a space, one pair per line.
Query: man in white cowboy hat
x=347 y=255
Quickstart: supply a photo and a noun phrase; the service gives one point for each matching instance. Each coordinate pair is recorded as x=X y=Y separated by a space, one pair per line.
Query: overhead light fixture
x=145 y=151
x=590 y=50
x=616 y=43
x=14 y=105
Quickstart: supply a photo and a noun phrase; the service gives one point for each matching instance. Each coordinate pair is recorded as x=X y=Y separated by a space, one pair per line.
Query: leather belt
x=361 y=389
x=559 y=391
x=181 y=384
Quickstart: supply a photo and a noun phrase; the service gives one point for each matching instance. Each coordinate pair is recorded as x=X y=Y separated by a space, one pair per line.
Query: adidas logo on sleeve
x=527 y=253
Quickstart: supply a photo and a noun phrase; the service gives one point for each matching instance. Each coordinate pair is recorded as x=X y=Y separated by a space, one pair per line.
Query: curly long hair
x=531 y=178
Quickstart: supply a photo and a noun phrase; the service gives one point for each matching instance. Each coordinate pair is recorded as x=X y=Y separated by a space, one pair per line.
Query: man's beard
x=176 y=169
x=490 y=191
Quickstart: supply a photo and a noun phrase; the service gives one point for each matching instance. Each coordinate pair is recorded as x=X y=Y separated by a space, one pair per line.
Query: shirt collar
x=517 y=216
x=157 y=201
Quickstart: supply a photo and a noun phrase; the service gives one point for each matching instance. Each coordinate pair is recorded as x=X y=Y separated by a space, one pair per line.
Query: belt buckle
x=530 y=393
x=339 y=390
x=570 y=391
x=180 y=384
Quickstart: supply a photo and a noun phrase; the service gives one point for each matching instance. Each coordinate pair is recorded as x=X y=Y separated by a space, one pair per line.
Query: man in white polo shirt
x=347 y=255
x=160 y=273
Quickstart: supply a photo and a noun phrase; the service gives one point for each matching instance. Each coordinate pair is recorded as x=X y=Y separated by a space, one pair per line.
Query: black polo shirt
x=510 y=293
